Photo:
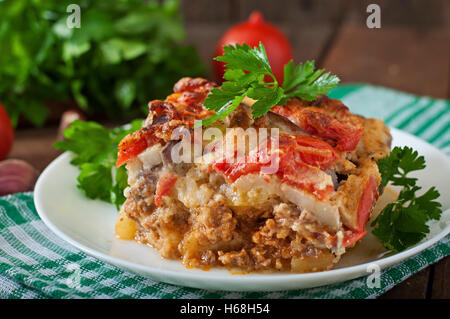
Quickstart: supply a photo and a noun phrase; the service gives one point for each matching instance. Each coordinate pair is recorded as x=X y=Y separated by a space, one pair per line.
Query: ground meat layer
x=209 y=232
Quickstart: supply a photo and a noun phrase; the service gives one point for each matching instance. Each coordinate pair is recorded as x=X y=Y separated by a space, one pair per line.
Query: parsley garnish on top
x=247 y=74
x=403 y=223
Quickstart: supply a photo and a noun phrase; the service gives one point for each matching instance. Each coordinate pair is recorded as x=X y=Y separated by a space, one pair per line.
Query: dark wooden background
x=410 y=52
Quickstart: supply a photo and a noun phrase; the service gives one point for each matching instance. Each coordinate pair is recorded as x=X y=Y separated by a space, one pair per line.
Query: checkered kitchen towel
x=35 y=263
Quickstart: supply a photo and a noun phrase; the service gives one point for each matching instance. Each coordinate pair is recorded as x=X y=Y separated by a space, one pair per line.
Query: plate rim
x=346 y=273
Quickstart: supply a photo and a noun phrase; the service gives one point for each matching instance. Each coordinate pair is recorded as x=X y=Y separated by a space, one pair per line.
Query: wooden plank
x=415 y=287
x=208 y=11
x=396 y=57
x=440 y=286
x=310 y=44
x=410 y=52
x=35 y=146
x=296 y=13
x=415 y=14
x=205 y=37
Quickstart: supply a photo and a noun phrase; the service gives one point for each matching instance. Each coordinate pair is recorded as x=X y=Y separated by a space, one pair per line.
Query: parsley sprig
x=94 y=149
x=403 y=223
x=249 y=74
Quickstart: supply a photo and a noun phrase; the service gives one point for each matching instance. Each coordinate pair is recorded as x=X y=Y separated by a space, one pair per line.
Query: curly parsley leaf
x=265 y=97
x=403 y=223
x=94 y=149
x=243 y=57
x=302 y=81
x=95 y=180
x=398 y=164
x=228 y=105
x=89 y=141
x=427 y=202
x=248 y=71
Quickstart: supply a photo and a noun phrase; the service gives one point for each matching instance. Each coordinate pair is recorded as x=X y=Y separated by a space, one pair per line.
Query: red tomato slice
x=320 y=124
x=300 y=163
x=332 y=121
x=306 y=178
x=366 y=202
x=314 y=152
x=164 y=186
x=353 y=238
x=133 y=144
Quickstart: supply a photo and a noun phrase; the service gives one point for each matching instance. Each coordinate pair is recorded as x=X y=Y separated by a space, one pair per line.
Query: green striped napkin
x=35 y=263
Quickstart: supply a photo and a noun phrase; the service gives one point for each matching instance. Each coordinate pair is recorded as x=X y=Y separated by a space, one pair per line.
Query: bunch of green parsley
x=124 y=53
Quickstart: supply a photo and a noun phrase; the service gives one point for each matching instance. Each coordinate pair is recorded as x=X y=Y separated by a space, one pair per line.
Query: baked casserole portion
x=211 y=212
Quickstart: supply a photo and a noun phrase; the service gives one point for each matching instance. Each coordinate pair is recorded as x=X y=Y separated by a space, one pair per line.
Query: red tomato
x=6 y=133
x=253 y=31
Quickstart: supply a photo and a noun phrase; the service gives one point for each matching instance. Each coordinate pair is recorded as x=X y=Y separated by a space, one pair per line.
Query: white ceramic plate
x=89 y=226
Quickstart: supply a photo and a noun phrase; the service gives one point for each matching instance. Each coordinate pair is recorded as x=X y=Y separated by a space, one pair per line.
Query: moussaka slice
x=294 y=191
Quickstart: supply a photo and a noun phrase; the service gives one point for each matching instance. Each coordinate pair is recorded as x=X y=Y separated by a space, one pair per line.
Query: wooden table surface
x=410 y=52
